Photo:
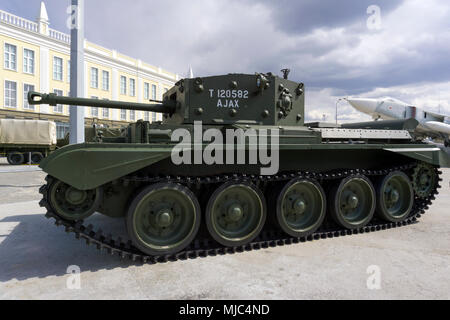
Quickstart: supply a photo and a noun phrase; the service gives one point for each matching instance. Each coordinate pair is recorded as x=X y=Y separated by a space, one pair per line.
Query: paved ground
x=34 y=257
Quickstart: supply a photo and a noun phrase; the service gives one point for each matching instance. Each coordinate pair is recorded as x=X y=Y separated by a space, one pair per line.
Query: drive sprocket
x=424 y=180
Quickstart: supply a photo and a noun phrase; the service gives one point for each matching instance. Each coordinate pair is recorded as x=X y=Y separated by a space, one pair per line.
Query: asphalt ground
x=411 y=262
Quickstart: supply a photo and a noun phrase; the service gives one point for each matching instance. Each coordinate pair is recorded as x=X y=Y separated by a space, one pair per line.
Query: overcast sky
x=329 y=45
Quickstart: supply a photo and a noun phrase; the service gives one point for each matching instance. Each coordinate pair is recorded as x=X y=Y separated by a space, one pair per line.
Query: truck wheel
x=15 y=158
x=36 y=157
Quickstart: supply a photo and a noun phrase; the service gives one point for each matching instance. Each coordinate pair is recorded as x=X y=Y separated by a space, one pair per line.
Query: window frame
x=132 y=87
x=105 y=116
x=27 y=59
x=123 y=89
x=26 y=105
x=56 y=108
x=103 y=80
x=4 y=94
x=68 y=71
x=146 y=91
x=121 y=113
x=55 y=58
x=9 y=57
x=95 y=108
x=154 y=91
x=94 y=81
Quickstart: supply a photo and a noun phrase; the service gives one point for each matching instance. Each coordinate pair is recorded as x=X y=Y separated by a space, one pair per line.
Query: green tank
x=233 y=167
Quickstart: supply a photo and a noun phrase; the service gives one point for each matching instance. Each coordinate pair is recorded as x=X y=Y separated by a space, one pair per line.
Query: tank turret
x=259 y=99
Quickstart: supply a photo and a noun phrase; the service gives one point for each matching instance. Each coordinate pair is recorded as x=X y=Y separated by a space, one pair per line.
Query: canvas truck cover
x=34 y=132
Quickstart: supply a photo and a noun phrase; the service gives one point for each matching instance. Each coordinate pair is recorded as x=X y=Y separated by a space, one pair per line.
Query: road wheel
x=235 y=213
x=163 y=218
x=73 y=204
x=15 y=158
x=395 y=196
x=301 y=207
x=352 y=202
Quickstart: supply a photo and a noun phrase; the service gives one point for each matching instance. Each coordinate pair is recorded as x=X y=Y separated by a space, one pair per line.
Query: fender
x=89 y=165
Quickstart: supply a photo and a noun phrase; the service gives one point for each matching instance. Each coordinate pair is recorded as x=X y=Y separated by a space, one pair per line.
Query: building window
x=10 y=57
x=146 y=116
x=94 y=78
x=146 y=91
x=94 y=110
x=62 y=129
x=68 y=71
x=106 y=113
x=153 y=116
x=27 y=88
x=132 y=115
x=28 y=61
x=105 y=80
x=132 y=87
x=10 y=94
x=153 y=92
x=123 y=85
x=59 y=107
x=57 y=68
x=123 y=114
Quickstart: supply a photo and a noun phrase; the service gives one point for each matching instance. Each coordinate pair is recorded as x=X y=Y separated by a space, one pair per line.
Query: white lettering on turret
x=227 y=98
x=228 y=103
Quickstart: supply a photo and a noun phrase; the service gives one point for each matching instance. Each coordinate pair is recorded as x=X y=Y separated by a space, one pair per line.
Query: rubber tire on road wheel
x=312 y=195
x=187 y=216
x=253 y=218
x=15 y=158
x=405 y=201
x=366 y=192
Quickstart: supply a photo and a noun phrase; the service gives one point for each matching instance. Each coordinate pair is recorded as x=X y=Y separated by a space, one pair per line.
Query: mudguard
x=86 y=166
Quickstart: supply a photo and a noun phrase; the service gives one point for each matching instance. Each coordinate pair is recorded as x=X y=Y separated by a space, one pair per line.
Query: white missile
x=438 y=126
x=430 y=123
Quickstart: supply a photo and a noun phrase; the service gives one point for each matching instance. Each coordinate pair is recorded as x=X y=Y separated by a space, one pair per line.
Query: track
x=268 y=238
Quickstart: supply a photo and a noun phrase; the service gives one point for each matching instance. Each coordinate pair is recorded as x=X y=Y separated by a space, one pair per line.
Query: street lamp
x=337 y=101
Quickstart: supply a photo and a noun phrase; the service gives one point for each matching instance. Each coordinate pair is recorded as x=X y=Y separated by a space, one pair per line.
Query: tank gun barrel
x=35 y=98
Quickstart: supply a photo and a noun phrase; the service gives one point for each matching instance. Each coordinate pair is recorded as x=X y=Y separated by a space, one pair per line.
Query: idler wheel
x=235 y=213
x=395 y=197
x=163 y=218
x=301 y=207
x=73 y=204
x=352 y=202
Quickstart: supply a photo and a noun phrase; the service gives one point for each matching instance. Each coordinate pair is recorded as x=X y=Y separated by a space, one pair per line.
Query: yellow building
x=36 y=57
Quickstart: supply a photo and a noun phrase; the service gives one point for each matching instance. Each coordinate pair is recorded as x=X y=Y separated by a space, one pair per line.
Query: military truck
x=182 y=196
x=26 y=141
